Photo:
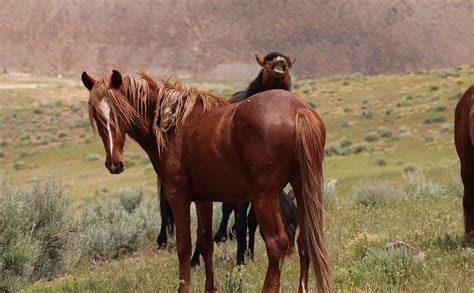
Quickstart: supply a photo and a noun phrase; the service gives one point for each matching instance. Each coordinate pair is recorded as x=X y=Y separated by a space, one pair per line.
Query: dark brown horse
x=275 y=74
x=464 y=140
x=205 y=150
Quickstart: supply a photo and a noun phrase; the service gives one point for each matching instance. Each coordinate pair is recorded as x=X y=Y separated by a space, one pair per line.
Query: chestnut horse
x=205 y=150
x=464 y=141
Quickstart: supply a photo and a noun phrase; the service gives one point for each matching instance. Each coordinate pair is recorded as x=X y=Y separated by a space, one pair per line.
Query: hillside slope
x=215 y=40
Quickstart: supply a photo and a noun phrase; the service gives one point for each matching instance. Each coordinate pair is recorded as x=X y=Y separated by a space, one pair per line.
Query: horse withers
x=464 y=141
x=208 y=150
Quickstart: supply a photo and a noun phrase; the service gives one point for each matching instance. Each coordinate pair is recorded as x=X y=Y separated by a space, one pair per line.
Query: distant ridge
x=217 y=39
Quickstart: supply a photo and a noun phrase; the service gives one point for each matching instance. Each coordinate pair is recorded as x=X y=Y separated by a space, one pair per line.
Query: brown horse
x=205 y=150
x=464 y=140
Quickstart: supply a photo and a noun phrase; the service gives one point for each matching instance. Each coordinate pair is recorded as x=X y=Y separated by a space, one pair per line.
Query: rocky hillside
x=217 y=39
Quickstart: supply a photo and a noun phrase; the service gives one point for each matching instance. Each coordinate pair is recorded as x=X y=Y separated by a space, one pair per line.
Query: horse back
x=237 y=148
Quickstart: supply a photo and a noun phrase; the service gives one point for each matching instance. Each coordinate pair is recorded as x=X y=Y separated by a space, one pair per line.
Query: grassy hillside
x=381 y=131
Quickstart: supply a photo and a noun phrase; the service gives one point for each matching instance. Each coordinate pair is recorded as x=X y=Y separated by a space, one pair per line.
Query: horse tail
x=310 y=140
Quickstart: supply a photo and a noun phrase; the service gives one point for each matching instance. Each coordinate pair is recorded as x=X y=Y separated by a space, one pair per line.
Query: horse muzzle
x=116 y=168
x=279 y=67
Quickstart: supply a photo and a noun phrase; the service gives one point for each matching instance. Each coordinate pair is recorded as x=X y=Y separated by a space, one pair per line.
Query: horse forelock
x=128 y=104
x=175 y=104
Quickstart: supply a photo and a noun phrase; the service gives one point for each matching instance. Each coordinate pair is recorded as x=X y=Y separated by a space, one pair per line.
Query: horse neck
x=145 y=136
x=257 y=85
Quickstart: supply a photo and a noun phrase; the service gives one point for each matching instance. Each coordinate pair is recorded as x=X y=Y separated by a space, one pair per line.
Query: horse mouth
x=278 y=71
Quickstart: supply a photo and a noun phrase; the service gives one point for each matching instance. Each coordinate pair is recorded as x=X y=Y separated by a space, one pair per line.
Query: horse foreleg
x=180 y=204
x=221 y=235
x=241 y=232
x=252 y=224
x=206 y=244
x=267 y=210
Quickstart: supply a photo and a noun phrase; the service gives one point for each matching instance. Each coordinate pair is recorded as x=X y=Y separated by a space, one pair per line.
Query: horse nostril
x=120 y=167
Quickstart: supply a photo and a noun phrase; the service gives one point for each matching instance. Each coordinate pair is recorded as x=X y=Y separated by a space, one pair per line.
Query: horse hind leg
x=267 y=210
x=301 y=239
x=252 y=224
x=241 y=232
x=167 y=221
x=205 y=241
x=221 y=234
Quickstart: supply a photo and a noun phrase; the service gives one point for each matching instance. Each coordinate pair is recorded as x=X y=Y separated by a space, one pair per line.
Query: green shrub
x=377 y=193
x=439 y=109
x=118 y=226
x=357 y=249
x=344 y=124
x=433 y=88
x=456 y=96
x=37 y=235
x=131 y=198
x=367 y=114
x=19 y=165
x=233 y=281
x=433 y=119
x=380 y=161
x=419 y=186
x=2 y=154
x=371 y=138
x=92 y=157
x=387 y=266
x=384 y=132
x=448 y=127
x=345 y=142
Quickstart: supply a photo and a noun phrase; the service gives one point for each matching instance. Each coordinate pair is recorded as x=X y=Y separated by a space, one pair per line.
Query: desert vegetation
x=389 y=148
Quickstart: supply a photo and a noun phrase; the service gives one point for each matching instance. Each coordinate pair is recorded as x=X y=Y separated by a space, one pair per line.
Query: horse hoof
x=161 y=243
x=195 y=263
x=220 y=238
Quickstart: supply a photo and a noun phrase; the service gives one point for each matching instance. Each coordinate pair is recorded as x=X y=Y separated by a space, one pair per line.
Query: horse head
x=114 y=113
x=275 y=66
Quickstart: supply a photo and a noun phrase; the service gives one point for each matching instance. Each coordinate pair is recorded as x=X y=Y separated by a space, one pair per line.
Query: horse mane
x=129 y=107
x=255 y=86
x=175 y=103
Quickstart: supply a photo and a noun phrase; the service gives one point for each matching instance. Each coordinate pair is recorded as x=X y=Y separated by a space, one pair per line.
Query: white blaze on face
x=105 y=108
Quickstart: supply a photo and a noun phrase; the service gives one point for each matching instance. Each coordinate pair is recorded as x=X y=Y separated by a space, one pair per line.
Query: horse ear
x=292 y=61
x=88 y=81
x=116 y=80
x=260 y=59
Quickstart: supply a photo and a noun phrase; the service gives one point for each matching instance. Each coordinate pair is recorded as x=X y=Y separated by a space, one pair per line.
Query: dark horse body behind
x=464 y=141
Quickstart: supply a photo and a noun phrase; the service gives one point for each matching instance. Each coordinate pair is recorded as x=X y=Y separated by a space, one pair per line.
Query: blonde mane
x=175 y=103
